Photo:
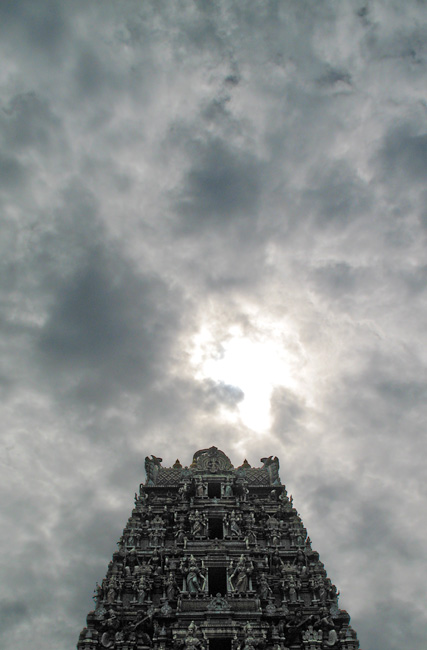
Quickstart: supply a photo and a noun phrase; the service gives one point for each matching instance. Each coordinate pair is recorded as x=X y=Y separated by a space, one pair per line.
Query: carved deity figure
x=239 y=579
x=275 y=562
x=218 y=603
x=234 y=524
x=98 y=595
x=200 y=490
x=195 y=579
x=250 y=537
x=180 y=534
x=326 y=626
x=171 y=587
x=301 y=561
x=292 y=587
x=191 y=641
x=112 y=591
x=228 y=490
x=264 y=589
x=198 y=523
x=319 y=590
x=250 y=642
x=143 y=587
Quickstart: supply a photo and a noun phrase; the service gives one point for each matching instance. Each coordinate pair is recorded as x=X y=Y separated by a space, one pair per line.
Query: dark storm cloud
x=333 y=76
x=12 y=173
x=404 y=154
x=222 y=184
x=394 y=385
x=399 y=620
x=43 y=24
x=337 y=195
x=223 y=393
x=12 y=613
x=27 y=121
x=288 y=413
x=336 y=279
x=109 y=326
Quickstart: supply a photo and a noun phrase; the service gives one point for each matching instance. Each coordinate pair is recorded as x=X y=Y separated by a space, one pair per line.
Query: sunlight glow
x=253 y=366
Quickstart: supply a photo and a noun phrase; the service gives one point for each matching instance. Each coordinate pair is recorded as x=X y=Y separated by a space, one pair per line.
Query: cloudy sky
x=214 y=231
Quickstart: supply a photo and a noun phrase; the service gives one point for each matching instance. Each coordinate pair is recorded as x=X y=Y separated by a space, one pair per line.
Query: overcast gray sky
x=213 y=232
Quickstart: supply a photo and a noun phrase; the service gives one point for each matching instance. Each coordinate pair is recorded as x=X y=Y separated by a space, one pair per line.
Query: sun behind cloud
x=254 y=365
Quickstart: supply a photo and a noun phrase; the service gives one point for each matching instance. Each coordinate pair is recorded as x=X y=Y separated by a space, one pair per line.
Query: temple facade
x=215 y=557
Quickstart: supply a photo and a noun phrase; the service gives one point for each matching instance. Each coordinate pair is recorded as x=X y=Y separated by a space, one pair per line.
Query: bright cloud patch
x=254 y=366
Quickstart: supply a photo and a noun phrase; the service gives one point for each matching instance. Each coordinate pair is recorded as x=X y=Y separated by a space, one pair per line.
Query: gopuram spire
x=215 y=557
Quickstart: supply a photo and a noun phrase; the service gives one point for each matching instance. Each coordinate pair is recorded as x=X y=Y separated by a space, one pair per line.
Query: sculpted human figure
x=275 y=562
x=249 y=643
x=198 y=523
x=301 y=561
x=194 y=578
x=191 y=641
x=234 y=526
x=228 y=490
x=200 y=489
x=250 y=537
x=97 y=595
x=239 y=579
x=155 y=562
x=180 y=534
x=319 y=590
x=326 y=624
x=264 y=590
x=171 y=587
x=292 y=586
x=143 y=587
x=295 y=625
x=112 y=591
x=226 y=524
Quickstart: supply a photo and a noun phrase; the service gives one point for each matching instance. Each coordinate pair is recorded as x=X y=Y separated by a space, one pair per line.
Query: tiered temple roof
x=215 y=557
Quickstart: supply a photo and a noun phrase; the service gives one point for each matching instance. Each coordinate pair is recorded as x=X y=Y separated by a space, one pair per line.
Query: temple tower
x=215 y=558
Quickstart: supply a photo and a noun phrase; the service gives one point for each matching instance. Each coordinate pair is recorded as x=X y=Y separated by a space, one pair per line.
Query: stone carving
x=227 y=490
x=250 y=642
x=272 y=466
x=143 y=587
x=98 y=595
x=295 y=627
x=326 y=627
x=211 y=460
x=152 y=466
x=195 y=578
x=312 y=635
x=218 y=603
x=318 y=586
x=239 y=578
x=192 y=642
x=166 y=609
x=113 y=590
x=201 y=489
x=291 y=587
x=198 y=522
x=264 y=590
x=232 y=524
x=170 y=586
